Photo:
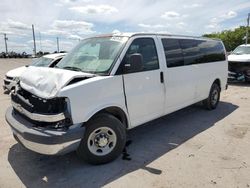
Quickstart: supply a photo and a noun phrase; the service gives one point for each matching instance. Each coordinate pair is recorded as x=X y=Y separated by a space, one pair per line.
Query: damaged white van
x=111 y=83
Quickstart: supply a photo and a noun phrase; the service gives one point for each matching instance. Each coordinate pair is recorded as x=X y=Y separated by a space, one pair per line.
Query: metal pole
x=247 y=28
x=5 y=40
x=34 y=39
x=57 y=41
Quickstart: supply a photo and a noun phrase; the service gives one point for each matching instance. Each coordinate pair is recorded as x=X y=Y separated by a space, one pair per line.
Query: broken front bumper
x=9 y=84
x=239 y=71
x=39 y=117
x=41 y=139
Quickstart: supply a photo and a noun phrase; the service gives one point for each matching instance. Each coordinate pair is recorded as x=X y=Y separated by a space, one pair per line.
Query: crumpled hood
x=16 y=72
x=240 y=58
x=46 y=82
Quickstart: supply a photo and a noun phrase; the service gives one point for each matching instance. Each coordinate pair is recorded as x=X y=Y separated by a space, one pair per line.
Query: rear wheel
x=214 y=97
x=103 y=140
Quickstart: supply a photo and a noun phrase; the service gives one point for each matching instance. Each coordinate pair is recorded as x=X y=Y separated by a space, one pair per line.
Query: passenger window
x=191 y=51
x=145 y=47
x=173 y=52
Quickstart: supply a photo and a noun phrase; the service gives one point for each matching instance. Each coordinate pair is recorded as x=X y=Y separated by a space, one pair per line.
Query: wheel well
x=217 y=81
x=115 y=111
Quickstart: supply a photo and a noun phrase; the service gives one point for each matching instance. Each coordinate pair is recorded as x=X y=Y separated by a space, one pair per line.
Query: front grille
x=238 y=67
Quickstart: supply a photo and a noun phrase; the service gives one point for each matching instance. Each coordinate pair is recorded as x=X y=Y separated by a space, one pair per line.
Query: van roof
x=158 y=34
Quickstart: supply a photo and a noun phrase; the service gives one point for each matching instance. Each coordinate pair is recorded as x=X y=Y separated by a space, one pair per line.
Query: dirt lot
x=189 y=148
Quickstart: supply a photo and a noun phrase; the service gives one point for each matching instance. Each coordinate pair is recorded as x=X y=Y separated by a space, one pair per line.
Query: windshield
x=94 y=55
x=41 y=62
x=242 y=50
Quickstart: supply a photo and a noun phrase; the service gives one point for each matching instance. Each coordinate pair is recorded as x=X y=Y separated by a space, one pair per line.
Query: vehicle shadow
x=149 y=142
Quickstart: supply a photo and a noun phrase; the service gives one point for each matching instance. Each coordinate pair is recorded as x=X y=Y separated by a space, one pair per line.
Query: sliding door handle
x=161 y=77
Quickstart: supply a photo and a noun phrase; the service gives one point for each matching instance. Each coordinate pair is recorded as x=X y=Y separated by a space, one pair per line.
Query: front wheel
x=214 y=97
x=103 y=141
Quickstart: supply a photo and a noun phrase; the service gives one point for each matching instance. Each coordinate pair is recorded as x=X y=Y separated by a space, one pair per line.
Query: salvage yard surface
x=189 y=148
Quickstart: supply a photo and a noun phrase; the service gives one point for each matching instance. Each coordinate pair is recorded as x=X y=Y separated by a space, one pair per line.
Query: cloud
x=72 y=26
x=229 y=15
x=104 y=16
x=215 y=22
x=17 y=25
x=156 y=26
x=194 y=5
x=69 y=2
x=95 y=9
x=75 y=37
x=181 y=25
x=170 y=15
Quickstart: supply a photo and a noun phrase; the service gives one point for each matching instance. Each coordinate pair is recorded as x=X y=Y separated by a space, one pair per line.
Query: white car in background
x=239 y=64
x=12 y=76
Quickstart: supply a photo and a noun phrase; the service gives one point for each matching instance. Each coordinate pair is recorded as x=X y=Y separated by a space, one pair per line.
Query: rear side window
x=181 y=52
x=213 y=51
x=145 y=47
x=173 y=52
x=191 y=51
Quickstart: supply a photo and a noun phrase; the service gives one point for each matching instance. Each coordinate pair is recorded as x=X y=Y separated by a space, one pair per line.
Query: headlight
x=16 y=79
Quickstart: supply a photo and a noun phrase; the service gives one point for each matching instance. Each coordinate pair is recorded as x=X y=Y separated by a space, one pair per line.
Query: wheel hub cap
x=101 y=140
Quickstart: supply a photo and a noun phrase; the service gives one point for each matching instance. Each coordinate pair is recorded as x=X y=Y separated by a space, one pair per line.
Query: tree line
x=230 y=38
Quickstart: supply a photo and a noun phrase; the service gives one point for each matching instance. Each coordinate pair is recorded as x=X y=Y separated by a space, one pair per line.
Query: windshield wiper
x=72 y=68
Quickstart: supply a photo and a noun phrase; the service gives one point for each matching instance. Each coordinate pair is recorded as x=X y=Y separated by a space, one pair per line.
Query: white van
x=109 y=84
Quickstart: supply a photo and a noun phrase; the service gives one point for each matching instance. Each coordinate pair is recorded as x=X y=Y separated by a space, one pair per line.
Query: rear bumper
x=43 y=140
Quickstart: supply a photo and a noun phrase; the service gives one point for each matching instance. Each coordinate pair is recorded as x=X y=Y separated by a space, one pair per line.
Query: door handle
x=161 y=77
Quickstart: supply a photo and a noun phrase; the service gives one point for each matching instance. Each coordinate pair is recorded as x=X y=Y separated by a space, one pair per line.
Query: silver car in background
x=12 y=76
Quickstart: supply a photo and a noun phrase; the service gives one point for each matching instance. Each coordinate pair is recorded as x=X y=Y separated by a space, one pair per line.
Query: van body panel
x=106 y=91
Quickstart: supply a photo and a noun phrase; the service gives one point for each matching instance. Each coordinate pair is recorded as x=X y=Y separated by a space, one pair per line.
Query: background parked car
x=239 y=64
x=12 y=76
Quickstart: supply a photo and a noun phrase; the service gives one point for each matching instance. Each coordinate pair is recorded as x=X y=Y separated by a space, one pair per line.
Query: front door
x=144 y=90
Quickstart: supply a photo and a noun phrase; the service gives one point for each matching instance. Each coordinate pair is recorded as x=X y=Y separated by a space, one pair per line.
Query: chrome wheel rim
x=102 y=141
x=214 y=97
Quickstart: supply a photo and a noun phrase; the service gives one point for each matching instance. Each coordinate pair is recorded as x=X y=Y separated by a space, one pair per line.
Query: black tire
x=102 y=120
x=211 y=103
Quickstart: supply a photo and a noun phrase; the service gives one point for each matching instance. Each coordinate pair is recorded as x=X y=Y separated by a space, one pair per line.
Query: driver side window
x=146 y=47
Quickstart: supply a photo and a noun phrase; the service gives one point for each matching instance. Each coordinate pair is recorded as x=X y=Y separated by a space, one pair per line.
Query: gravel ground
x=189 y=148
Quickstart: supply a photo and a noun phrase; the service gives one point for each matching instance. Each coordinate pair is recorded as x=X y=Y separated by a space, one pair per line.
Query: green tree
x=230 y=38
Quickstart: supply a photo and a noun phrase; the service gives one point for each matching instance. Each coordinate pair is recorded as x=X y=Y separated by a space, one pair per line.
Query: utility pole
x=5 y=40
x=57 y=41
x=34 y=39
x=247 y=28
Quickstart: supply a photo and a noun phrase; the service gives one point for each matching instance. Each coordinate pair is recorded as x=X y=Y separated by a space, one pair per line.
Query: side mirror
x=134 y=64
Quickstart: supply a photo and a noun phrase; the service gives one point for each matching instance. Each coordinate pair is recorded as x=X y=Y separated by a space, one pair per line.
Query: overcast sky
x=71 y=20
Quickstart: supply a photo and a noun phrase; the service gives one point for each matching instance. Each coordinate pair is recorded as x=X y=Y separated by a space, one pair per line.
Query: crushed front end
x=239 y=71
x=43 y=125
